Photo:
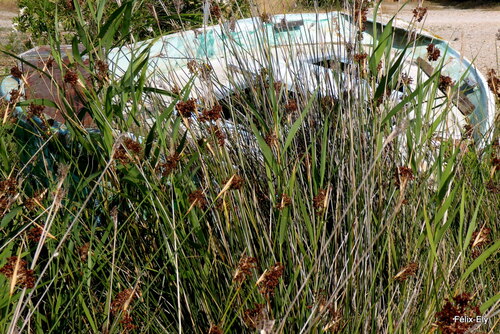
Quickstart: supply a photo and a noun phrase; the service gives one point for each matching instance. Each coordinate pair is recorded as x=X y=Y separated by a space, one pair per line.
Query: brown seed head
x=360 y=57
x=253 y=317
x=328 y=102
x=175 y=89
x=129 y=148
x=35 y=110
x=121 y=156
x=24 y=277
x=408 y=271
x=349 y=47
x=403 y=175
x=445 y=82
x=4 y=206
x=433 y=53
x=50 y=62
x=69 y=5
x=169 y=165
x=211 y=115
x=30 y=204
x=215 y=330
x=102 y=70
x=283 y=201
x=468 y=131
x=236 y=183
x=192 y=66
x=133 y=146
x=16 y=72
x=198 y=199
x=127 y=323
x=493 y=82
x=460 y=307
x=419 y=13
x=8 y=190
x=71 y=77
x=480 y=238
x=380 y=65
x=8 y=187
x=291 y=106
x=83 y=251
x=335 y=321
x=265 y=17
x=361 y=13
x=270 y=279
x=218 y=133
x=463 y=299
x=319 y=200
x=15 y=96
x=245 y=266
x=186 y=108
x=271 y=139
x=35 y=233
x=122 y=300
x=215 y=11
x=495 y=164
x=278 y=85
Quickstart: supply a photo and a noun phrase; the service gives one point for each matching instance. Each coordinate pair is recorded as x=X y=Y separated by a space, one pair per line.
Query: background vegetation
x=309 y=220
x=151 y=17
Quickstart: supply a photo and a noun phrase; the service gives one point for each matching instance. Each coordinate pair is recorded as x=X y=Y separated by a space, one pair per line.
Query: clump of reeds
x=171 y=186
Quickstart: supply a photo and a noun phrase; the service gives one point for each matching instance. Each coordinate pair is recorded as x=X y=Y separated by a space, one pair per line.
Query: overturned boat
x=324 y=54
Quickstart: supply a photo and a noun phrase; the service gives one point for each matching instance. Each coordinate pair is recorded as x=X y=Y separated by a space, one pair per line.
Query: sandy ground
x=473 y=32
x=6 y=18
x=6 y=15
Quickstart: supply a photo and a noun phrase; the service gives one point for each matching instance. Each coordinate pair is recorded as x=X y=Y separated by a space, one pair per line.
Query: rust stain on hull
x=39 y=86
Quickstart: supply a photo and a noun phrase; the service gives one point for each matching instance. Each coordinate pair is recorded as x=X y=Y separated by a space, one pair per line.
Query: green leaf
x=388 y=81
x=324 y=146
x=76 y=51
x=440 y=214
x=383 y=42
x=480 y=260
x=487 y=304
x=265 y=149
x=150 y=140
x=108 y=31
x=159 y=91
x=430 y=236
x=407 y=99
x=40 y=102
x=100 y=12
x=473 y=223
x=10 y=216
x=88 y=315
x=296 y=125
x=136 y=66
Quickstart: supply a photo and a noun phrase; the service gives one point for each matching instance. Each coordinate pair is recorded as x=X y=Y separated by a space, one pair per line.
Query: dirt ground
x=6 y=15
x=6 y=19
x=473 y=32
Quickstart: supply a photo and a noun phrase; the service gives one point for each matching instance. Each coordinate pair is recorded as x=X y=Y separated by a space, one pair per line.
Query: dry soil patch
x=473 y=32
x=6 y=17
